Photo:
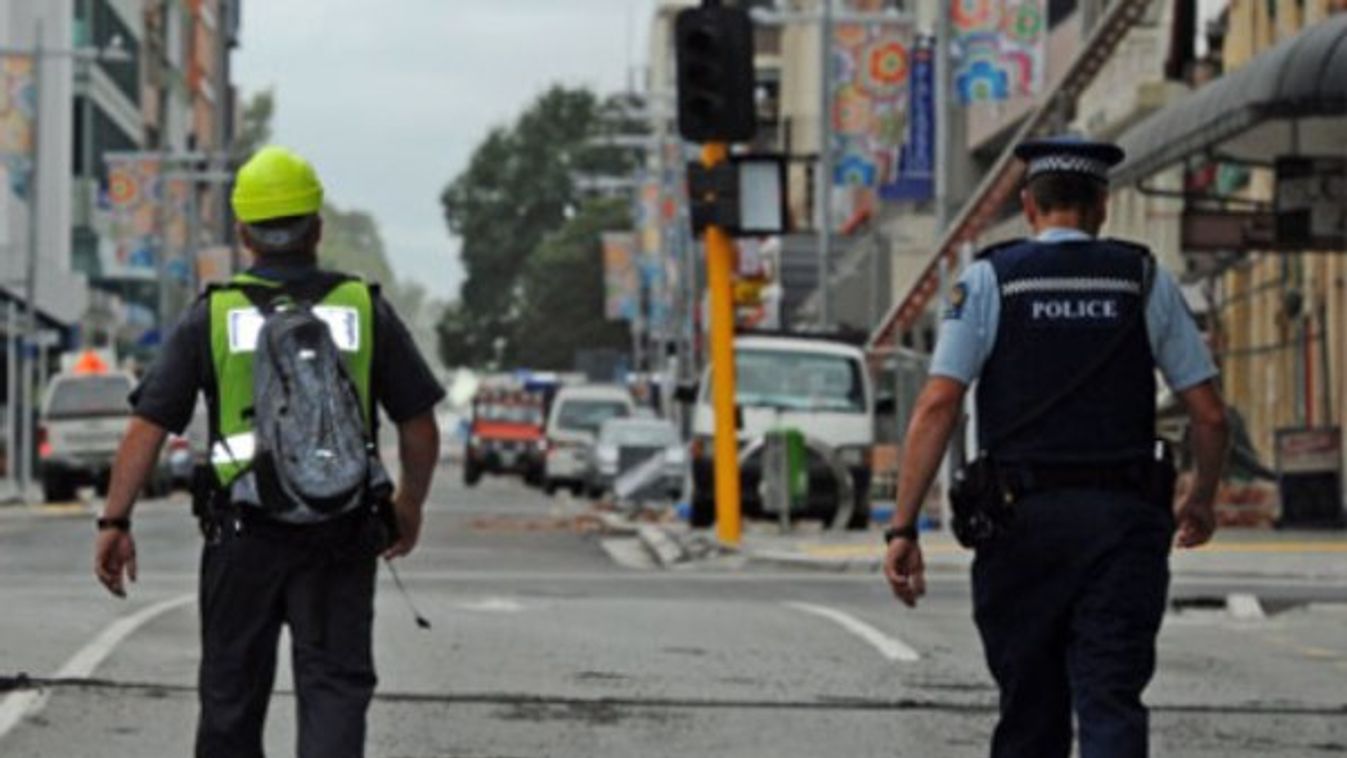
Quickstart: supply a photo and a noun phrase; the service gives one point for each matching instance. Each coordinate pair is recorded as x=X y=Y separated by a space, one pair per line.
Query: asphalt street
x=553 y=639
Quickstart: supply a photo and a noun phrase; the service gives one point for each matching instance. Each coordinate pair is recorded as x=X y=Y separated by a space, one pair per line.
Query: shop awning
x=1291 y=99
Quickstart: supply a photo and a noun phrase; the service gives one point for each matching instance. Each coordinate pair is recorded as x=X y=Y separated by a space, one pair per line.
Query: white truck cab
x=818 y=386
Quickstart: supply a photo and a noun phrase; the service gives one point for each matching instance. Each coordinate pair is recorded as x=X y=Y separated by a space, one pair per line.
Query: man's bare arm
x=937 y=412
x=419 y=452
x=136 y=459
x=1211 y=442
x=114 y=549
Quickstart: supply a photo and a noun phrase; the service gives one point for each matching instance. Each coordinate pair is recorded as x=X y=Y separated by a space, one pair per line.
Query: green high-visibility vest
x=348 y=310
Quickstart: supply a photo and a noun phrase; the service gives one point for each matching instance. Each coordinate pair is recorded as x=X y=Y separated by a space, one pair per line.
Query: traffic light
x=715 y=74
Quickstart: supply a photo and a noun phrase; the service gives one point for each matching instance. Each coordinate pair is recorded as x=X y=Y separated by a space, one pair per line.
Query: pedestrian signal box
x=716 y=83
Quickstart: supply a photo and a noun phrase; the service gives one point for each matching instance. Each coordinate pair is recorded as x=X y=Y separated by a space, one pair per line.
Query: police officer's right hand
x=905 y=570
x=408 y=517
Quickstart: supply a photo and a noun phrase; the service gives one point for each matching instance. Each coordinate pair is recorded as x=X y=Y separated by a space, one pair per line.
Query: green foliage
x=352 y=243
x=518 y=188
x=255 y=130
x=562 y=288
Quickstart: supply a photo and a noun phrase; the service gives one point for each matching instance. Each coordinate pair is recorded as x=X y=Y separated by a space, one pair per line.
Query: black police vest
x=1063 y=306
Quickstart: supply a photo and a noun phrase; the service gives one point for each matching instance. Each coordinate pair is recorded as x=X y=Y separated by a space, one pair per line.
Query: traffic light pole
x=719 y=268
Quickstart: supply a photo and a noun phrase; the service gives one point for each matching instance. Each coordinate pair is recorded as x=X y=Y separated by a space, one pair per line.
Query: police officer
x=258 y=573
x=1069 y=596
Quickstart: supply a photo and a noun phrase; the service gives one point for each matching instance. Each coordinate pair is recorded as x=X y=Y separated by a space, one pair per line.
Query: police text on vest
x=1073 y=310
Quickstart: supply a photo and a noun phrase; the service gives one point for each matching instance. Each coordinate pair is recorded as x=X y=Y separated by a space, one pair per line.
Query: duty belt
x=1133 y=476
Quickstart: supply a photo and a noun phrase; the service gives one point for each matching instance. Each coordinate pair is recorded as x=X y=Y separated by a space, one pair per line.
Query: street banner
x=915 y=179
x=134 y=191
x=177 y=226
x=999 y=48
x=649 y=215
x=621 y=276
x=18 y=112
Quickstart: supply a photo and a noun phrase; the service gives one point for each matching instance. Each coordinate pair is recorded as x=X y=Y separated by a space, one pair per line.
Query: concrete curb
x=617 y=526
x=662 y=545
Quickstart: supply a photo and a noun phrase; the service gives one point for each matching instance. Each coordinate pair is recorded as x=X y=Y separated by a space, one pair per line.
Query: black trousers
x=321 y=587
x=1068 y=603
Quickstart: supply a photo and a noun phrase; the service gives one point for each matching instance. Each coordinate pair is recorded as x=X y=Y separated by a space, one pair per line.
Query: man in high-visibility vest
x=269 y=563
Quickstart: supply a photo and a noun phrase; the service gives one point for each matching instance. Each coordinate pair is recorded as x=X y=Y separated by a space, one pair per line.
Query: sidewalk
x=1300 y=555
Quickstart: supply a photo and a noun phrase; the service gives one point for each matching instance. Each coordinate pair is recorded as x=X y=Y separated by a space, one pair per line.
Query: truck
x=505 y=435
x=818 y=386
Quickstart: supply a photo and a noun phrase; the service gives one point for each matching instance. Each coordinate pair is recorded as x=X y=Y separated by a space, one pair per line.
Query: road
x=545 y=645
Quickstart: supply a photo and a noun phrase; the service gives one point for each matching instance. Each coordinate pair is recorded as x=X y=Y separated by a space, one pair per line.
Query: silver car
x=639 y=457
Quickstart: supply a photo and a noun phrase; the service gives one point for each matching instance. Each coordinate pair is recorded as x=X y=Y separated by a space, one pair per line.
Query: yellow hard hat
x=276 y=183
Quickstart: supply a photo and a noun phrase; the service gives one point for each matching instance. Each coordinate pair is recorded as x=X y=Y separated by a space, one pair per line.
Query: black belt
x=1132 y=476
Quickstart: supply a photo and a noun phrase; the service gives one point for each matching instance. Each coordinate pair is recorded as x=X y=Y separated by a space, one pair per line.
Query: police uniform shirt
x=403 y=384
x=968 y=331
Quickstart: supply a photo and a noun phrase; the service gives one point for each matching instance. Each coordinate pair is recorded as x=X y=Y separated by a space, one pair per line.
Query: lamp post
x=20 y=454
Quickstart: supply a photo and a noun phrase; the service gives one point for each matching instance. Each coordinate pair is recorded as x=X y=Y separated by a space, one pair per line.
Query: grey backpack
x=314 y=455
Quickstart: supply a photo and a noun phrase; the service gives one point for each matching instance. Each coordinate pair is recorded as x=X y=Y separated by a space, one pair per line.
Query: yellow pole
x=719 y=264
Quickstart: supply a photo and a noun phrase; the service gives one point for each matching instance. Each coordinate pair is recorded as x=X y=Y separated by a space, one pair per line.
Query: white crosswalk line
x=892 y=648
x=83 y=663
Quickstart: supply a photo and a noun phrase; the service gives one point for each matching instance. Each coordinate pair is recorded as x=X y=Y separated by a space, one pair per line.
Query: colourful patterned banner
x=870 y=77
x=999 y=48
x=133 y=189
x=871 y=64
x=18 y=110
x=621 y=277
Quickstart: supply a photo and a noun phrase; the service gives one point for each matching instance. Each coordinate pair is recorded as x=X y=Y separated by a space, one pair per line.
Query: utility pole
x=824 y=191
x=23 y=456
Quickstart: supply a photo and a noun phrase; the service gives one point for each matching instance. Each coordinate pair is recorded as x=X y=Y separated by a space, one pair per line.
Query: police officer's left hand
x=905 y=570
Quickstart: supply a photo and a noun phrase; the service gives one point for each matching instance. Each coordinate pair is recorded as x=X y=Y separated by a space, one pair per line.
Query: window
x=589 y=415
x=87 y=396
x=799 y=381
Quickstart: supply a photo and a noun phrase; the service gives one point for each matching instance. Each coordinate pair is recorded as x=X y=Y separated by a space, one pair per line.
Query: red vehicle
x=506 y=436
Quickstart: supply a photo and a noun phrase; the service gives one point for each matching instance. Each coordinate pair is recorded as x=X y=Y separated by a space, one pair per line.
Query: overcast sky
x=388 y=98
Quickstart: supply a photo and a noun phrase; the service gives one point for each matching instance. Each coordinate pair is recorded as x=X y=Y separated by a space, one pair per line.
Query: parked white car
x=572 y=429
x=82 y=422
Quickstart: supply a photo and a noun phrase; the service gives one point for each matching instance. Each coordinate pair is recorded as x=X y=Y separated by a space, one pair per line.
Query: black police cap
x=1069 y=154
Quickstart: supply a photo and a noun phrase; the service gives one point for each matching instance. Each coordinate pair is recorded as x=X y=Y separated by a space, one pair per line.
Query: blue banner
x=915 y=178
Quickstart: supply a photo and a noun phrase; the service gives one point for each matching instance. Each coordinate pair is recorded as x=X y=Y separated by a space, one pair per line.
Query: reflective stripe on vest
x=348 y=311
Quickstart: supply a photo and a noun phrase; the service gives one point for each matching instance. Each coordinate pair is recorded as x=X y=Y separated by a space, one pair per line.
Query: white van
x=573 y=428
x=817 y=386
x=83 y=418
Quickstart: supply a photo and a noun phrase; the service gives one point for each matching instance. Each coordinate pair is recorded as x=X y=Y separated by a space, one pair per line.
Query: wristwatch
x=120 y=524
x=908 y=532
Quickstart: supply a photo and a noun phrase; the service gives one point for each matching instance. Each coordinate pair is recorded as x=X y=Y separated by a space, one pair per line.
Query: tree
x=562 y=292
x=255 y=130
x=519 y=187
x=352 y=243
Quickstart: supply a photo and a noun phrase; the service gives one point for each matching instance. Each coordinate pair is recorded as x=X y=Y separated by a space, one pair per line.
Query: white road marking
x=892 y=648
x=19 y=705
x=1244 y=606
x=492 y=605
